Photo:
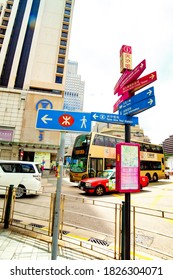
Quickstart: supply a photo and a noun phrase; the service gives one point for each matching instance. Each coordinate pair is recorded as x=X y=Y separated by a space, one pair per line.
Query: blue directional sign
x=138 y=107
x=148 y=93
x=113 y=118
x=63 y=120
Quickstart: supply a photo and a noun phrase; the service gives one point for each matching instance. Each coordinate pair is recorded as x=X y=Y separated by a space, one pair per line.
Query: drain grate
x=36 y=225
x=65 y=232
x=16 y=221
x=99 y=241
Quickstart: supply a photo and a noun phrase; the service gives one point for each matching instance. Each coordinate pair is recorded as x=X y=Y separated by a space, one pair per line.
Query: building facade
x=136 y=133
x=34 y=43
x=168 y=145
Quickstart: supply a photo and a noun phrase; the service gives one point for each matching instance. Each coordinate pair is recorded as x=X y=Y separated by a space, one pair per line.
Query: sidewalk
x=16 y=245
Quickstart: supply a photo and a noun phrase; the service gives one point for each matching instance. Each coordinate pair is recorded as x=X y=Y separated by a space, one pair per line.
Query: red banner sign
x=140 y=83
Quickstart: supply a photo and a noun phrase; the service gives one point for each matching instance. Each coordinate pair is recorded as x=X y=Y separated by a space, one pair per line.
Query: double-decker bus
x=94 y=152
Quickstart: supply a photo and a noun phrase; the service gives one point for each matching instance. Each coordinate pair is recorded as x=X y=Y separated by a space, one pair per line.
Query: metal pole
x=127 y=208
x=58 y=199
x=8 y=207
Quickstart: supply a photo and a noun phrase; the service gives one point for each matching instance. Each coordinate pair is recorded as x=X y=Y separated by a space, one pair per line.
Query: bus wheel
x=155 y=177
x=99 y=190
x=149 y=176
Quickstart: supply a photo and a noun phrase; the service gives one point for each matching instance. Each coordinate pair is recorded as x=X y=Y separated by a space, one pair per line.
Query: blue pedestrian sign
x=113 y=118
x=63 y=120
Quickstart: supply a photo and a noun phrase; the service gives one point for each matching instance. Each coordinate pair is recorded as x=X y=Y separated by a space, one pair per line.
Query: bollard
x=8 y=207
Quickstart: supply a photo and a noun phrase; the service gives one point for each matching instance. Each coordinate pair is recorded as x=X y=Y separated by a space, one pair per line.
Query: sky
x=99 y=29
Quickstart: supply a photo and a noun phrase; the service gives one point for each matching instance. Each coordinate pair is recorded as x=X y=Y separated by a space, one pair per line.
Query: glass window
x=98 y=140
x=58 y=80
x=67 y=12
x=68 y=5
x=62 y=51
x=61 y=60
x=25 y=168
x=65 y=26
x=63 y=43
x=64 y=34
x=8 y=167
x=60 y=69
x=66 y=19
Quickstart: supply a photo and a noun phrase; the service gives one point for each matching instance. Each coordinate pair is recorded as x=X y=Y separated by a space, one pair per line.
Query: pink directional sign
x=132 y=76
x=121 y=79
x=124 y=97
x=140 y=83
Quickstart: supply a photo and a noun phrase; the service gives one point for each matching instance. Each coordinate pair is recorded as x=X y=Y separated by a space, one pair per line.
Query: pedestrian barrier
x=92 y=224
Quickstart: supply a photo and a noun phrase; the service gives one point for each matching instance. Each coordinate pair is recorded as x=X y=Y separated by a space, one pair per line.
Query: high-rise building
x=74 y=95
x=74 y=88
x=34 y=43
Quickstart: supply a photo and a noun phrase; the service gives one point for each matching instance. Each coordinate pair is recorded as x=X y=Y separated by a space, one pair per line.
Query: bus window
x=98 y=140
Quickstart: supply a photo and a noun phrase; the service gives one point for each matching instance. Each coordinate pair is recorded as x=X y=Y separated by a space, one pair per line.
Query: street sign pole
x=127 y=209
x=58 y=199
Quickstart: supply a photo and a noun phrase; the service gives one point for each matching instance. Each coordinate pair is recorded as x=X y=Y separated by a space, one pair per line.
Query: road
x=97 y=214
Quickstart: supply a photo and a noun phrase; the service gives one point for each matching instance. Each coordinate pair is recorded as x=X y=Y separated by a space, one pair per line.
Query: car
x=25 y=176
x=105 y=182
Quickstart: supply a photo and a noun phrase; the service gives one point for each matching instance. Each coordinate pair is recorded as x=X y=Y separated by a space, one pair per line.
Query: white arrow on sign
x=45 y=119
x=149 y=92
x=95 y=116
x=150 y=101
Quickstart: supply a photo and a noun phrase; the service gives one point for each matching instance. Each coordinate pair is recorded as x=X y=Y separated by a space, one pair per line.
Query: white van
x=24 y=175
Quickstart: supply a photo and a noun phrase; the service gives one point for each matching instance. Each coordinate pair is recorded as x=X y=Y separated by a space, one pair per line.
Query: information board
x=127 y=167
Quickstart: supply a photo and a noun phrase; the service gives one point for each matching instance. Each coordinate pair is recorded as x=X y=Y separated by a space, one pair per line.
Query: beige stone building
x=34 y=43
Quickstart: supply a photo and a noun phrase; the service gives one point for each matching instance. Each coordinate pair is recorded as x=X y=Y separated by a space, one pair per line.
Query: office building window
x=61 y=60
x=58 y=80
x=67 y=12
x=65 y=26
x=62 y=51
x=60 y=69
x=63 y=43
x=64 y=34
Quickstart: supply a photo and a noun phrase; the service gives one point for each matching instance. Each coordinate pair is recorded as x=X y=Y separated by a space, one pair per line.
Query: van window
x=17 y=168
x=27 y=168
x=8 y=167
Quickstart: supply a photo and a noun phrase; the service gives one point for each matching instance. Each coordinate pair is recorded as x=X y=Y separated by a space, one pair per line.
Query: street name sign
x=148 y=93
x=113 y=118
x=140 y=83
x=63 y=120
x=138 y=107
x=132 y=76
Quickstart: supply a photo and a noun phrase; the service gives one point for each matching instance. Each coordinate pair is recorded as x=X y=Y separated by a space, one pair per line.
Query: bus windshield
x=80 y=153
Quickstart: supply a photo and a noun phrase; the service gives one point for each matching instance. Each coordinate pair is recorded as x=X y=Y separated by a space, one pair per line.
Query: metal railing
x=97 y=227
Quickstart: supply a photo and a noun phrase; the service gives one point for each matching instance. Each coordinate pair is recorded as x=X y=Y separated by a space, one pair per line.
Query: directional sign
x=124 y=97
x=63 y=120
x=138 y=107
x=113 y=118
x=137 y=98
x=132 y=76
x=140 y=83
x=121 y=79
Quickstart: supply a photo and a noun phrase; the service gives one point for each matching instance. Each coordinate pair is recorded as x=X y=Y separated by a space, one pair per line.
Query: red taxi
x=105 y=182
